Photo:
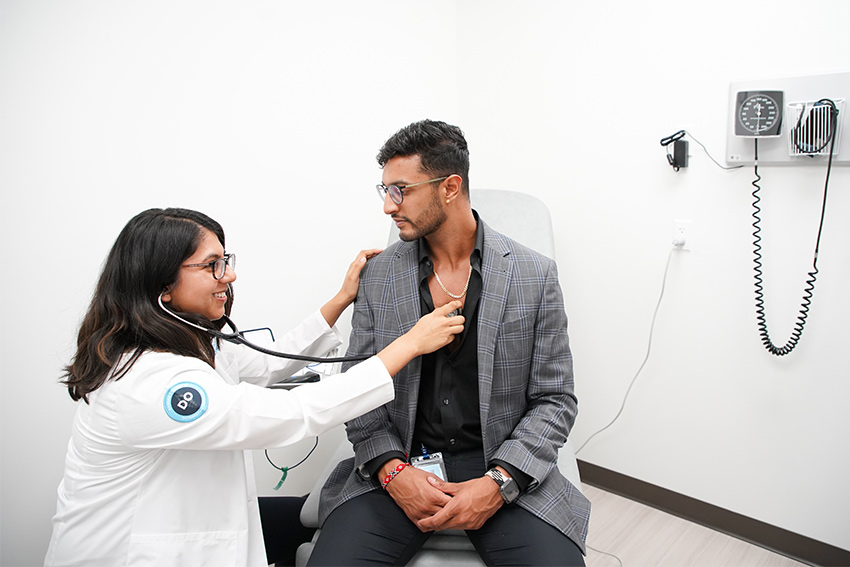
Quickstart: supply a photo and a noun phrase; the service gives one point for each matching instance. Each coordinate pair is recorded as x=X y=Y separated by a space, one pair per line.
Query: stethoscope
x=236 y=337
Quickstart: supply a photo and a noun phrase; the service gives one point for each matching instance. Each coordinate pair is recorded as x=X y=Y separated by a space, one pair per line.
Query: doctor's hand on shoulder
x=334 y=308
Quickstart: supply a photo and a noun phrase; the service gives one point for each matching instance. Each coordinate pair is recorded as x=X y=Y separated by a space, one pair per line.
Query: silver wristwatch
x=507 y=486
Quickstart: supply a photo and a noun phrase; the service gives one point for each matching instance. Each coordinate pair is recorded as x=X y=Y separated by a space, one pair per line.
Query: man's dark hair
x=441 y=147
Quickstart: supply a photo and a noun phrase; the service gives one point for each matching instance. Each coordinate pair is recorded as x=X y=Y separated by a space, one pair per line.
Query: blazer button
x=445 y=401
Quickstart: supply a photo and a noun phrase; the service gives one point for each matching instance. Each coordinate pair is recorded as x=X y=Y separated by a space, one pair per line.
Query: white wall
x=267 y=115
x=569 y=100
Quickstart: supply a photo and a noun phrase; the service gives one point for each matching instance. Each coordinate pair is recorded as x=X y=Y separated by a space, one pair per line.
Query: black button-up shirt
x=448 y=413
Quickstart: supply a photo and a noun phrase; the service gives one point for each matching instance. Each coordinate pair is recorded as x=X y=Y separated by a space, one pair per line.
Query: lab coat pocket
x=195 y=548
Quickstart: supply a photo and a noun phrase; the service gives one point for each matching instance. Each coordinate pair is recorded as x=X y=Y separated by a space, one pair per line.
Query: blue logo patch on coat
x=185 y=402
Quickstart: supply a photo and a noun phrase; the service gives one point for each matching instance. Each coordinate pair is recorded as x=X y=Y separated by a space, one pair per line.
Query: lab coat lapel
x=227 y=367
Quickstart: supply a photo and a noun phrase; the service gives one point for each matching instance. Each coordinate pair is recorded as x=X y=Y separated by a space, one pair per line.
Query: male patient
x=496 y=404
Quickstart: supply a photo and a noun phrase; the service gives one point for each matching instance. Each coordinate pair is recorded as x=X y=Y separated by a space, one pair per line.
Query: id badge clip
x=432 y=463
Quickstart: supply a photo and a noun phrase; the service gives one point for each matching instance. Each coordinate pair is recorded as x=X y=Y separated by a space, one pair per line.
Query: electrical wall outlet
x=682 y=234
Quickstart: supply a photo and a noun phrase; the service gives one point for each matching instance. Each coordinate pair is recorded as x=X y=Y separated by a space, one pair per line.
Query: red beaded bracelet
x=393 y=473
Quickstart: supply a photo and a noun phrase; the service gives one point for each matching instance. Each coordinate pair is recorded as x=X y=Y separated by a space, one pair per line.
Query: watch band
x=508 y=487
x=497 y=475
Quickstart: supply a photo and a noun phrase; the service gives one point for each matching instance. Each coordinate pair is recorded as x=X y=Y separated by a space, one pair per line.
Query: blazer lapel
x=497 y=273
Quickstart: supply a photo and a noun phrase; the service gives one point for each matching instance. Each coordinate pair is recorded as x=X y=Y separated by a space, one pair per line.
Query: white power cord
x=676 y=246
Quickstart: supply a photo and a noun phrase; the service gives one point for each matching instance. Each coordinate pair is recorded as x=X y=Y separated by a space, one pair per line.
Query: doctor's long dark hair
x=124 y=316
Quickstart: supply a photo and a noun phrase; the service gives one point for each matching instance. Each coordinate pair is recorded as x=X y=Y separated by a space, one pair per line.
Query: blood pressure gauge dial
x=758 y=113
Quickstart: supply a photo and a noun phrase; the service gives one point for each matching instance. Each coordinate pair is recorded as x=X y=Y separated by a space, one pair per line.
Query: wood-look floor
x=640 y=536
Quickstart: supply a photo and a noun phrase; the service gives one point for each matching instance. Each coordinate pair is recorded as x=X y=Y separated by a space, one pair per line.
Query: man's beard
x=431 y=219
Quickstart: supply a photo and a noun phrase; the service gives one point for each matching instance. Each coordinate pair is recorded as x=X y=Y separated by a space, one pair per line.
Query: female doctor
x=156 y=471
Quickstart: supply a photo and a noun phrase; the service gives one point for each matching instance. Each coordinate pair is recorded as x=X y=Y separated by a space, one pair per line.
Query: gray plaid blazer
x=527 y=402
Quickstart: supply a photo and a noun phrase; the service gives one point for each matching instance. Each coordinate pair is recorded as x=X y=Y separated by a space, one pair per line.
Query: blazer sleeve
x=372 y=434
x=550 y=405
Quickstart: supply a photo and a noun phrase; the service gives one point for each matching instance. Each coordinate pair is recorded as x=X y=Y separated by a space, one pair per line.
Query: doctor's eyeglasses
x=218 y=267
x=397 y=191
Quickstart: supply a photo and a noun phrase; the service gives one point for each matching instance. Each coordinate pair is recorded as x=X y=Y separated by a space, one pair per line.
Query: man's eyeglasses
x=218 y=267
x=396 y=192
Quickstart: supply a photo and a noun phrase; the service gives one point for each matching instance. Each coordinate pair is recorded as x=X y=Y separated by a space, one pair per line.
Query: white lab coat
x=145 y=484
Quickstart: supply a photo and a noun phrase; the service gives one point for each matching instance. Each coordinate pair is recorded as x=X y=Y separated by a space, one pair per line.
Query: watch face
x=509 y=490
x=508 y=487
x=759 y=113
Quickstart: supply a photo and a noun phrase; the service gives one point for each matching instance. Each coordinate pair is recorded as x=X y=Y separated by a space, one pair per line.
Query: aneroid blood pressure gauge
x=758 y=113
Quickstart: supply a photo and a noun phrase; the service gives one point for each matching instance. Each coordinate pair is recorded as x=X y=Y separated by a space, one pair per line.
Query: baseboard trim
x=759 y=533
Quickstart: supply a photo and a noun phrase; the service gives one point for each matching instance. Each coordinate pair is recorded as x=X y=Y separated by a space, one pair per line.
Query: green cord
x=282 y=478
x=285 y=470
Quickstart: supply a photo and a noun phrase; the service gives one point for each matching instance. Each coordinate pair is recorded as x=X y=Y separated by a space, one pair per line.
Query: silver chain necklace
x=450 y=294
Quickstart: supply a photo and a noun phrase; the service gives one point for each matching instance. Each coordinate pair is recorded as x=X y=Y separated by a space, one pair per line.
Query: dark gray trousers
x=372 y=530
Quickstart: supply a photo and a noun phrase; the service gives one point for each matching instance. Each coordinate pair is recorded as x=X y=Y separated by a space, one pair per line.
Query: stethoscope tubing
x=236 y=337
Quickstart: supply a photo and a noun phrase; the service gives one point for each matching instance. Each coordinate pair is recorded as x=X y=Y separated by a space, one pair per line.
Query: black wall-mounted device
x=680 y=154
